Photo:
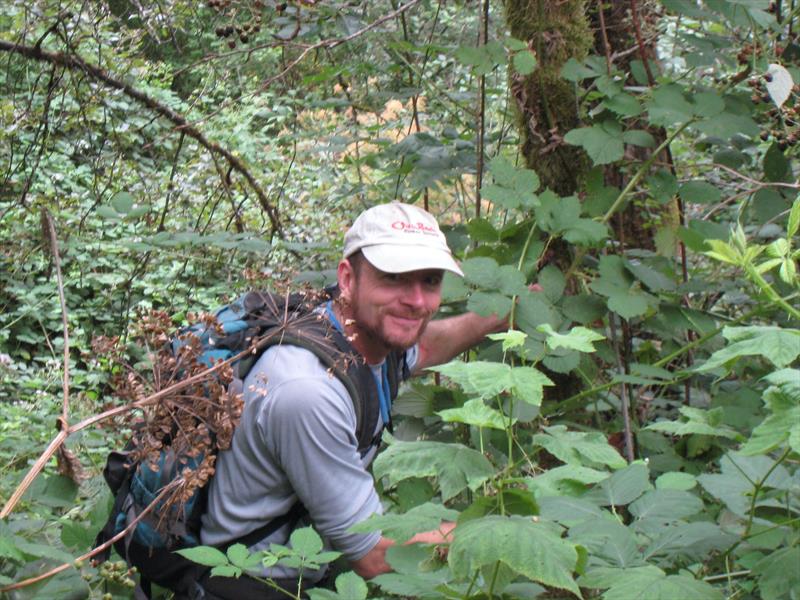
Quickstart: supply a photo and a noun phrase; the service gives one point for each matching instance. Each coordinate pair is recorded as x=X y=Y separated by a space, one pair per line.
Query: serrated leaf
x=628 y=305
x=486 y=304
x=402 y=527
x=579 y=338
x=676 y=481
x=666 y=505
x=650 y=586
x=781 y=346
x=476 y=413
x=238 y=554
x=623 y=487
x=780 y=84
x=487 y=379
x=794 y=219
x=226 y=571
x=204 y=555
x=576 y=71
x=525 y=547
x=525 y=62
x=624 y=105
x=607 y=540
x=511 y=339
x=577 y=447
x=639 y=137
x=456 y=467
x=569 y=511
x=778 y=575
x=696 y=422
x=306 y=541
x=351 y=586
x=602 y=143
x=699 y=192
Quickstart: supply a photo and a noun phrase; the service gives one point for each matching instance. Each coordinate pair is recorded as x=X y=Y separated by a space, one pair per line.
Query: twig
x=483 y=36
x=332 y=43
x=101 y=548
x=65 y=430
x=47 y=219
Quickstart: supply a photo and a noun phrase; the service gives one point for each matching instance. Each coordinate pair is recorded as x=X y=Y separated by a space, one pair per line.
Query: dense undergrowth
x=636 y=434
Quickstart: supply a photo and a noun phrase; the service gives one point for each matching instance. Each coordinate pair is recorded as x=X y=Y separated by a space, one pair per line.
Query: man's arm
x=374 y=563
x=444 y=339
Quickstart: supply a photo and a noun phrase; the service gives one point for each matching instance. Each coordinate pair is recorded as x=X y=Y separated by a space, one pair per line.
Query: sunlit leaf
x=475 y=412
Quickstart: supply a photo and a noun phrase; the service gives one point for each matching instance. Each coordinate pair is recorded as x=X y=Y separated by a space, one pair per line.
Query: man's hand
x=374 y=563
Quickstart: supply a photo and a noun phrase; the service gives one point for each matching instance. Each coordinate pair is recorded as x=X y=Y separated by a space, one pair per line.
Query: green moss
x=546 y=105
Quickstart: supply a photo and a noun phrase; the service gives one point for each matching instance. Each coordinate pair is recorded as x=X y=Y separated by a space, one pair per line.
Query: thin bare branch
x=75 y=62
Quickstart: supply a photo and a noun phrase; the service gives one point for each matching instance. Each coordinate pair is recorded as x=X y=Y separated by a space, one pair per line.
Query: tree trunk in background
x=546 y=105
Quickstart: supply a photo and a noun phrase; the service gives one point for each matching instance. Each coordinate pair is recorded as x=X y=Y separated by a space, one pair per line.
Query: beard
x=378 y=332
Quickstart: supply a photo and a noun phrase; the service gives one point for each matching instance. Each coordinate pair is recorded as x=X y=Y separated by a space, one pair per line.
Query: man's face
x=390 y=310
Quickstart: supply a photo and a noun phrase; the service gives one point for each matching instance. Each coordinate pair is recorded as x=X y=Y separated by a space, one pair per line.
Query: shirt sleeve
x=309 y=428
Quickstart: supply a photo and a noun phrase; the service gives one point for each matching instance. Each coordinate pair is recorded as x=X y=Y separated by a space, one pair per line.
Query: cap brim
x=401 y=258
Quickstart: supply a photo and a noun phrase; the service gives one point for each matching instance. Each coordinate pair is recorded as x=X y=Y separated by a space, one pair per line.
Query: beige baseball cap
x=397 y=238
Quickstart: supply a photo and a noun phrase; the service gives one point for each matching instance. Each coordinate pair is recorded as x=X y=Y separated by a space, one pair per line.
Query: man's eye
x=433 y=280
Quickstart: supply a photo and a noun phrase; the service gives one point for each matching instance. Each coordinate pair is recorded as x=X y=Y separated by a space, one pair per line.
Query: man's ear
x=346 y=277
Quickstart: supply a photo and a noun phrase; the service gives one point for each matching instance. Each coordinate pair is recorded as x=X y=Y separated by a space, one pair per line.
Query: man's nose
x=414 y=294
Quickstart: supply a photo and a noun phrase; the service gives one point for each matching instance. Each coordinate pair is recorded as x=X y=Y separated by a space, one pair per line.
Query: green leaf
x=487 y=379
x=778 y=575
x=122 y=202
x=574 y=447
x=623 y=487
x=647 y=586
x=579 y=338
x=639 y=137
x=575 y=71
x=607 y=540
x=552 y=281
x=106 y=212
x=624 y=105
x=489 y=303
x=708 y=104
x=351 y=586
x=569 y=511
x=511 y=339
x=526 y=548
x=669 y=106
x=696 y=422
x=204 y=555
x=781 y=346
x=699 y=192
x=603 y=143
x=525 y=62
x=666 y=505
x=628 y=305
x=456 y=467
x=402 y=527
x=306 y=541
x=676 y=481
x=476 y=413
x=226 y=571
x=238 y=555
x=794 y=219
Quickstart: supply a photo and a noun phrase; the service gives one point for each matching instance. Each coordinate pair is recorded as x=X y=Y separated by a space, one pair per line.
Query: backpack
x=253 y=323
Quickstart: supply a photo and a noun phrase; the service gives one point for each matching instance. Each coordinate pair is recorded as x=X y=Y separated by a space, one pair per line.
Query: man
x=296 y=439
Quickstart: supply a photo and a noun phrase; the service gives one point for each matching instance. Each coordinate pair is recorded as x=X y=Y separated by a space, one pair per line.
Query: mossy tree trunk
x=547 y=107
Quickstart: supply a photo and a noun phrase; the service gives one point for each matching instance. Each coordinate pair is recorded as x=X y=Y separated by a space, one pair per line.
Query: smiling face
x=386 y=311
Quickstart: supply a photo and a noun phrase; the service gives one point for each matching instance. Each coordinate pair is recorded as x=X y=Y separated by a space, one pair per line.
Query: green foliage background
x=637 y=433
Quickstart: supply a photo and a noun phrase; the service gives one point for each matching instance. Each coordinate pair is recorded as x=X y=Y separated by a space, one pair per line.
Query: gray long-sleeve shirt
x=296 y=440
